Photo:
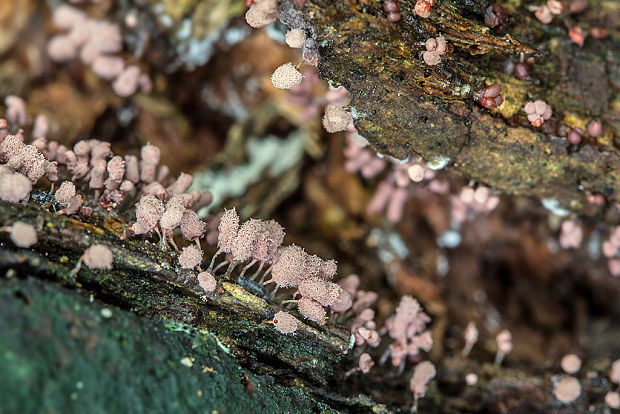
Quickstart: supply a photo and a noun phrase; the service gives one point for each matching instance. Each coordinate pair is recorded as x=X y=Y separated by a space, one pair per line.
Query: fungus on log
x=143 y=279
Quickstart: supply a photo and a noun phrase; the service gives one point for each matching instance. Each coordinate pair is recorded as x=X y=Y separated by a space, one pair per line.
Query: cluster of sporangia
x=112 y=180
x=497 y=18
x=161 y=209
x=255 y=241
x=406 y=331
x=97 y=43
x=308 y=278
x=260 y=242
x=264 y=12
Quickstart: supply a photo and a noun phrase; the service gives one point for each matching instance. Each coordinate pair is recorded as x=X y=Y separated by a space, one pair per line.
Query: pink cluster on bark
x=407 y=327
x=471 y=201
x=537 y=112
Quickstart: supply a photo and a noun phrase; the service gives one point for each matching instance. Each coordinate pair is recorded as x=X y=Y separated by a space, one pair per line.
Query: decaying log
x=146 y=280
x=405 y=107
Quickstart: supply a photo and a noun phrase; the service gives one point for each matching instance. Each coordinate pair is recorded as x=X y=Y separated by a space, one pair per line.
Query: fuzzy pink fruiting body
x=543 y=14
x=227 y=228
x=192 y=226
x=99 y=257
x=285 y=323
x=127 y=82
x=571 y=363
x=207 y=281
x=65 y=193
x=245 y=240
x=288 y=269
x=423 y=8
x=336 y=118
x=595 y=129
x=286 y=76
x=365 y=363
x=23 y=234
x=148 y=211
x=150 y=156
x=172 y=215
x=190 y=257
x=576 y=35
x=312 y=310
x=504 y=345
x=567 y=390
x=182 y=183
x=422 y=374
x=14 y=187
x=295 y=38
x=612 y=399
x=262 y=13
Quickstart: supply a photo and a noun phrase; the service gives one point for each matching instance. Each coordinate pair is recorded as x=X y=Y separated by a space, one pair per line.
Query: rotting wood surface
x=406 y=108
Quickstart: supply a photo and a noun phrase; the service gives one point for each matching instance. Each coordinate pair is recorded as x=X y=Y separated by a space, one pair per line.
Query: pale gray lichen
x=554 y=207
x=390 y=245
x=270 y=154
x=438 y=163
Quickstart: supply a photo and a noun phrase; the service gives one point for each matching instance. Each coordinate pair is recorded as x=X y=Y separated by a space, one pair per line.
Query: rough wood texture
x=69 y=354
x=404 y=107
